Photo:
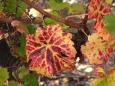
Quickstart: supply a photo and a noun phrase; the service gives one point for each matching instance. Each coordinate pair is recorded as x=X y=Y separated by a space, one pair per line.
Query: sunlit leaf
x=59 y=1
x=97 y=9
x=99 y=82
x=101 y=31
x=50 y=50
x=49 y=21
x=108 y=80
x=3 y=75
x=99 y=50
x=77 y=8
x=109 y=1
x=57 y=4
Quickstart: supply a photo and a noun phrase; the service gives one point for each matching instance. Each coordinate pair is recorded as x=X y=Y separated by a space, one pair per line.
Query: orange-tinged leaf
x=100 y=71
x=50 y=50
x=97 y=9
x=96 y=50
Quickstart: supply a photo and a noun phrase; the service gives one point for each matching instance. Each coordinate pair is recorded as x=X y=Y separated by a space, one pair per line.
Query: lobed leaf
x=108 y=80
x=50 y=50
x=97 y=9
x=99 y=50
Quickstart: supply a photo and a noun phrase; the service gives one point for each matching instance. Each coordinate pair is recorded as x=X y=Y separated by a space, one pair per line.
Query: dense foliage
x=45 y=37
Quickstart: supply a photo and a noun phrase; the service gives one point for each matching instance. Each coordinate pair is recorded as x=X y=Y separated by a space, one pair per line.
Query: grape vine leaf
x=50 y=50
x=31 y=28
x=15 y=7
x=1 y=6
x=30 y=80
x=3 y=75
x=59 y=1
x=109 y=1
x=99 y=82
x=22 y=8
x=57 y=4
x=49 y=21
x=108 y=80
x=77 y=8
x=109 y=21
x=21 y=49
x=22 y=72
x=99 y=51
x=10 y=6
x=12 y=83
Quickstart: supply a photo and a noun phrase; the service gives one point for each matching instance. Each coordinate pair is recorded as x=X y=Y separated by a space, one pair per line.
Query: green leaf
x=12 y=83
x=3 y=74
x=77 y=8
x=109 y=21
x=111 y=79
x=49 y=21
x=31 y=28
x=10 y=6
x=30 y=80
x=57 y=4
x=1 y=6
x=21 y=49
x=99 y=82
x=15 y=6
x=22 y=8
x=59 y=1
x=22 y=72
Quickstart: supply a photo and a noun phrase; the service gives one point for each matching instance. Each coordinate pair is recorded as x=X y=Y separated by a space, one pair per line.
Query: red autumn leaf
x=97 y=9
x=50 y=50
x=96 y=50
x=99 y=27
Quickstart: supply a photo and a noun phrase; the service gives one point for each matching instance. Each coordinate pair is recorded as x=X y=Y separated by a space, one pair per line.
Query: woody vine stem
x=78 y=25
x=68 y=22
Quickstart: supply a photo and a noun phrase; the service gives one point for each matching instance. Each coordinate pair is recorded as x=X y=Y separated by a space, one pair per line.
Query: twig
x=9 y=19
x=17 y=77
x=84 y=22
x=46 y=14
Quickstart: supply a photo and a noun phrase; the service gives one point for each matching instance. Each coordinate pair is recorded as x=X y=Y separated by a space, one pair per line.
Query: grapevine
x=49 y=38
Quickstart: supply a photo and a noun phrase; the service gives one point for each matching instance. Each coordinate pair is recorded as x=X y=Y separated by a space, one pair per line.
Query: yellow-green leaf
x=109 y=1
